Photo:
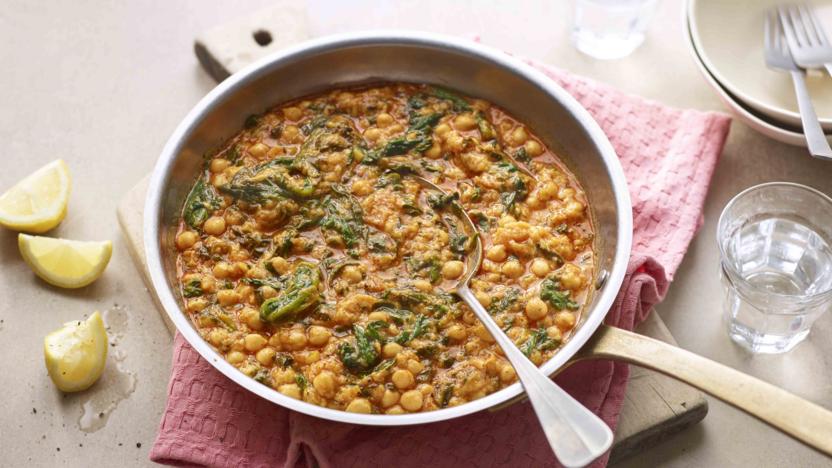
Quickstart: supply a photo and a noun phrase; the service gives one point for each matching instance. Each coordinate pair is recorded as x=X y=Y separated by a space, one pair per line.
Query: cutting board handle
x=801 y=419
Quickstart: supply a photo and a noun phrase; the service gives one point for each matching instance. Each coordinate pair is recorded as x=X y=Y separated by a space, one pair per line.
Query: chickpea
x=390 y=398
x=415 y=366
x=496 y=253
x=372 y=134
x=540 y=267
x=395 y=410
x=258 y=150
x=359 y=405
x=325 y=384
x=507 y=373
x=265 y=356
x=512 y=269
x=423 y=285
x=455 y=142
x=483 y=333
x=362 y=187
x=290 y=134
x=434 y=152
x=267 y=292
x=318 y=336
x=254 y=342
x=218 y=165
x=215 y=225
x=186 y=240
x=384 y=119
x=233 y=217
x=574 y=209
x=533 y=148
x=208 y=284
x=402 y=379
x=221 y=270
x=239 y=269
x=292 y=113
x=554 y=333
x=457 y=332
x=195 y=305
x=235 y=357
x=536 y=309
x=297 y=338
x=571 y=277
x=378 y=316
x=518 y=136
x=483 y=298
x=351 y=273
x=453 y=269
x=218 y=336
x=442 y=130
x=565 y=320
x=465 y=122
x=290 y=390
x=227 y=297
x=280 y=265
x=391 y=349
x=412 y=400
x=308 y=357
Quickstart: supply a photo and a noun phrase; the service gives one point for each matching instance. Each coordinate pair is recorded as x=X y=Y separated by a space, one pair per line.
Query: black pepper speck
x=138 y=445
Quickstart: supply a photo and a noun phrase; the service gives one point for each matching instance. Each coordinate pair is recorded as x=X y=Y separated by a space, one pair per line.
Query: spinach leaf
x=522 y=156
x=486 y=129
x=504 y=303
x=343 y=215
x=380 y=242
x=538 y=341
x=439 y=201
x=300 y=294
x=419 y=328
x=361 y=356
x=551 y=292
x=445 y=395
x=398 y=316
x=300 y=379
x=199 y=204
x=384 y=365
x=458 y=102
x=416 y=138
x=192 y=289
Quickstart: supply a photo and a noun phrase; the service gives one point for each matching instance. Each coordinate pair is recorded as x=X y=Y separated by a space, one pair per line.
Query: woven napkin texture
x=668 y=157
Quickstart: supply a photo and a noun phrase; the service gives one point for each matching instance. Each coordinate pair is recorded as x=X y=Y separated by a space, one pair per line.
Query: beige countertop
x=103 y=84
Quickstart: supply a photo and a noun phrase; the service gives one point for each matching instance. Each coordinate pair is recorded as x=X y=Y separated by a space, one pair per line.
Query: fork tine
x=786 y=26
x=797 y=26
x=806 y=24
x=819 y=29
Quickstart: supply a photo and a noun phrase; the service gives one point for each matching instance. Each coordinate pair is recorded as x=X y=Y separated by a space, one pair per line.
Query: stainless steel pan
x=525 y=93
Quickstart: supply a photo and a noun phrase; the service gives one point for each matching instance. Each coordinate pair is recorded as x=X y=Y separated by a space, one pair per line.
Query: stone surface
x=103 y=85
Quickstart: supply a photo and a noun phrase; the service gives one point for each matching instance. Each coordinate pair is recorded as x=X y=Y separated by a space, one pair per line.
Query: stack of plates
x=726 y=39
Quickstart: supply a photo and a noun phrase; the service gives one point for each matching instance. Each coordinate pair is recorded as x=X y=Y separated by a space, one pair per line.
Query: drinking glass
x=775 y=265
x=610 y=29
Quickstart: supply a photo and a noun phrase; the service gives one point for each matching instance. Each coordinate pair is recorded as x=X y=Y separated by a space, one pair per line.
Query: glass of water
x=776 y=264
x=610 y=29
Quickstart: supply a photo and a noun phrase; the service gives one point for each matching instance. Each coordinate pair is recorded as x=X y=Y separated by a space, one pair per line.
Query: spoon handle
x=576 y=435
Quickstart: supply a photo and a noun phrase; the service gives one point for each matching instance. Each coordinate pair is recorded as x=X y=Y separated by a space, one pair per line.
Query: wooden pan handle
x=801 y=419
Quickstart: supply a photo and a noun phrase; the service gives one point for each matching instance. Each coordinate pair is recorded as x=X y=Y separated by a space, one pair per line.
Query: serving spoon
x=576 y=435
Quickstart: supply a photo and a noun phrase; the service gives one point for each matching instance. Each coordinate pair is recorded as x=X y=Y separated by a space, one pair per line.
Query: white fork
x=806 y=37
x=778 y=57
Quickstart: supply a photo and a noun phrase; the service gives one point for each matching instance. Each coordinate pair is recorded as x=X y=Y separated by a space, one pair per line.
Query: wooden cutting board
x=655 y=406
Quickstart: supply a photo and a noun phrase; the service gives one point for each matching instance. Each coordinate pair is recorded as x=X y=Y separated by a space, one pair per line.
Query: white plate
x=729 y=38
x=744 y=114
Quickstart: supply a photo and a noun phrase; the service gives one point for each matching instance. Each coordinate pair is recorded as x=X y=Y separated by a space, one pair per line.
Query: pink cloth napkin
x=668 y=157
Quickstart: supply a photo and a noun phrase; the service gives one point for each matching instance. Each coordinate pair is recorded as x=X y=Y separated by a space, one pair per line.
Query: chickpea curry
x=315 y=265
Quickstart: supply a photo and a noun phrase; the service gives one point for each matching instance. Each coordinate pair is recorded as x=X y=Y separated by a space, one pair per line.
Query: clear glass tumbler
x=776 y=264
x=611 y=29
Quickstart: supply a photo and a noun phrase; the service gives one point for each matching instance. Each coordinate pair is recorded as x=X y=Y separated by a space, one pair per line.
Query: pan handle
x=799 y=418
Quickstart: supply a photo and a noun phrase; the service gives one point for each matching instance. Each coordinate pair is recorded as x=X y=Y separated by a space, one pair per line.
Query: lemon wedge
x=75 y=354
x=38 y=202
x=65 y=263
